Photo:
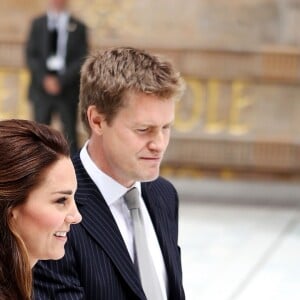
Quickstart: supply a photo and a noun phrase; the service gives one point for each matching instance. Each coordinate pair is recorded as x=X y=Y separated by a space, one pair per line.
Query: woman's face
x=44 y=219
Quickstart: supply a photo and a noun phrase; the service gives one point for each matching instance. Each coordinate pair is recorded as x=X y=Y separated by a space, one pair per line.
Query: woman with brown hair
x=37 y=207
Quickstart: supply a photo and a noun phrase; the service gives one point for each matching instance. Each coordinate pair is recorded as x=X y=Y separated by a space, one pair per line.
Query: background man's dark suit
x=65 y=103
x=97 y=264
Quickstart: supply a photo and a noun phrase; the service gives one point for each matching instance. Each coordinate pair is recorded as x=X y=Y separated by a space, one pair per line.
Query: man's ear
x=96 y=120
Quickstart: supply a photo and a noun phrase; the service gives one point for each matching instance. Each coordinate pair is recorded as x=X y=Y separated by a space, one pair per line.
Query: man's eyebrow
x=154 y=125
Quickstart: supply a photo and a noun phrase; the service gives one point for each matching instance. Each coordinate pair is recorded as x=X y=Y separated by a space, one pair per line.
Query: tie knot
x=132 y=198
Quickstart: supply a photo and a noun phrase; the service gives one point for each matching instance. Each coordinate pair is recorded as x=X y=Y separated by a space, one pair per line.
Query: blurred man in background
x=56 y=46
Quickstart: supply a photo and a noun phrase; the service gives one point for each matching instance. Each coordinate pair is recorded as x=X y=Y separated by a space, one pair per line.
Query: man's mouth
x=151 y=158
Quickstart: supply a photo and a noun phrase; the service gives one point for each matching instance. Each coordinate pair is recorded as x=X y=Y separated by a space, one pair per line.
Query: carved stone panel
x=241 y=61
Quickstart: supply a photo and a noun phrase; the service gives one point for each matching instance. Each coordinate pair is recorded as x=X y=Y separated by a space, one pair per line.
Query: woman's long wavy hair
x=27 y=150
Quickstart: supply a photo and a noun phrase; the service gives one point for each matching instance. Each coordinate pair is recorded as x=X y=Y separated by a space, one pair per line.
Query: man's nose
x=159 y=142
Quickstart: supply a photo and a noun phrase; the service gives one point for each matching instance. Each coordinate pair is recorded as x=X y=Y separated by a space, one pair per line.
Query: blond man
x=127 y=99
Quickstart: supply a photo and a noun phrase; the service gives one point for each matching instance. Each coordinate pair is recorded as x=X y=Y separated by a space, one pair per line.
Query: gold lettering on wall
x=201 y=107
x=198 y=110
x=13 y=93
x=4 y=95
x=23 y=104
x=186 y=121
x=213 y=122
x=238 y=103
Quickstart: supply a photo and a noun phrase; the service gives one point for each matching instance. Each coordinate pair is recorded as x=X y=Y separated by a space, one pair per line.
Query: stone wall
x=241 y=61
x=240 y=25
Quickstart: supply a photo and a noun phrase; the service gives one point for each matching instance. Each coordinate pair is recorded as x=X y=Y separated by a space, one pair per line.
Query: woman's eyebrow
x=65 y=192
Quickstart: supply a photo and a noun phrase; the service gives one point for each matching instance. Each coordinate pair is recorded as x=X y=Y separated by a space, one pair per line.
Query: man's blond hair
x=108 y=76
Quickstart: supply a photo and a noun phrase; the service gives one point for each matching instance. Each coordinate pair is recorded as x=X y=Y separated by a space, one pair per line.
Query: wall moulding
x=234 y=114
x=274 y=64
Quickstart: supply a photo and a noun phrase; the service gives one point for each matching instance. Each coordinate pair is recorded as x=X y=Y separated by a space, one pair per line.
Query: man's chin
x=151 y=177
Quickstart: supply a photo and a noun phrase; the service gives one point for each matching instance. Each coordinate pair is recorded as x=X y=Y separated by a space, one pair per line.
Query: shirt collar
x=54 y=14
x=57 y=18
x=110 y=189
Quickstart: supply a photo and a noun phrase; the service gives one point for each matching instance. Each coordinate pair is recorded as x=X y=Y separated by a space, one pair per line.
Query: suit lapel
x=71 y=28
x=44 y=36
x=100 y=224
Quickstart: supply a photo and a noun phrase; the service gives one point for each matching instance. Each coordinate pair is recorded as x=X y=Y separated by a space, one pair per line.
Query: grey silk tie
x=146 y=268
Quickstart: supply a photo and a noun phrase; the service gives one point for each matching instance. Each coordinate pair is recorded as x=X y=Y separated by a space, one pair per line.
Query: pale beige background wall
x=218 y=24
x=240 y=58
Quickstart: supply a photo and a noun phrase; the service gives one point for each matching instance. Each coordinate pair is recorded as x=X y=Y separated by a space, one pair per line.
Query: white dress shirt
x=113 y=193
x=59 y=21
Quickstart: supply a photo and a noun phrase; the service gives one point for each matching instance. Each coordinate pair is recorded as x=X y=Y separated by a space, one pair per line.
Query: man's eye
x=142 y=129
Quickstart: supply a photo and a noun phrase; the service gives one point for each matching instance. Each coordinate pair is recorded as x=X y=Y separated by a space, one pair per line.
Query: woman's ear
x=96 y=120
x=13 y=213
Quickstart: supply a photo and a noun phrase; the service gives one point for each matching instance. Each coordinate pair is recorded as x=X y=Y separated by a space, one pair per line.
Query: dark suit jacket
x=97 y=264
x=36 y=56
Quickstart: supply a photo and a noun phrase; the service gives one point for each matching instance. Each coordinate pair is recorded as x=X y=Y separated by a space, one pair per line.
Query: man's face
x=58 y=5
x=132 y=146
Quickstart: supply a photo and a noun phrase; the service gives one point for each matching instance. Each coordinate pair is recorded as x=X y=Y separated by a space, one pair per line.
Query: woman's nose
x=77 y=217
x=74 y=217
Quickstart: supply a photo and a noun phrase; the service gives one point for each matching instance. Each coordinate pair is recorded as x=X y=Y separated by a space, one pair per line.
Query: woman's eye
x=61 y=200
